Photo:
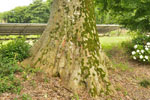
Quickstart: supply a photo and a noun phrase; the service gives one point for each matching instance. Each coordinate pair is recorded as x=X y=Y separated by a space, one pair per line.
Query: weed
x=75 y=97
x=29 y=71
x=33 y=83
x=26 y=97
x=8 y=82
x=46 y=80
x=122 y=66
x=125 y=93
x=118 y=89
x=145 y=83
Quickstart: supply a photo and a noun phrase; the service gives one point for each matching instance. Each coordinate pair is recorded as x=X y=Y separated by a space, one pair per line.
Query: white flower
x=68 y=16
x=134 y=57
x=135 y=46
x=142 y=51
x=148 y=43
x=77 y=13
x=30 y=42
x=143 y=59
x=141 y=56
x=73 y=20
x=138 y=51
x=146 y=57
x=133 y=52
x=147 y=35
x=146 y=48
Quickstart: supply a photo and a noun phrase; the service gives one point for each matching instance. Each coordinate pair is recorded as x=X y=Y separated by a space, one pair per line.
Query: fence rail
x=21 y=28
x=7 y=29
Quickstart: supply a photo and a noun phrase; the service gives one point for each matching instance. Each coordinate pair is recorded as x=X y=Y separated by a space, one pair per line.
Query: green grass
x=109 y=42
x=114 y=43
x=114 y=46
x=121 y=66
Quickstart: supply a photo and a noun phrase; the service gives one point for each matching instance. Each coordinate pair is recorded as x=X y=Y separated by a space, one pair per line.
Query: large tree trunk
x=70 y=48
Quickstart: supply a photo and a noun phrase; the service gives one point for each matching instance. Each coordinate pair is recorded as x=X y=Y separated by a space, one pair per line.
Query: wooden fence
x=24 y=29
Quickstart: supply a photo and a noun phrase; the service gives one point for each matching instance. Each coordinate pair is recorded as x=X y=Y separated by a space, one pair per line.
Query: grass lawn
x=109 y=42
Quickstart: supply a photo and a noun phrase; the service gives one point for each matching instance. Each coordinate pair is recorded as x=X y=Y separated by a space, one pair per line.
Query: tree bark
x=69 y=47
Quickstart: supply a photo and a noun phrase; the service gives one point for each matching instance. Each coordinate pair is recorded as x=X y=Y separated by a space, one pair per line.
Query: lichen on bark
x=70 y=48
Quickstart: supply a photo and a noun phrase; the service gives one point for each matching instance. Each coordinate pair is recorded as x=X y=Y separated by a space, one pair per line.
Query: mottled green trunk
x=70 y=48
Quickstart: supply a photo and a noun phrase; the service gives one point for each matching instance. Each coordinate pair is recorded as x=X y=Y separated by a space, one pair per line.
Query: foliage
x=1 y=14
x=145 y=83
x=17 y=49
x=102 y=16
x=133 y=14
x=128 y=46
x=141 y=49
x=8 y=81
x=10 y=54
x=37 y=12
x=15 y=15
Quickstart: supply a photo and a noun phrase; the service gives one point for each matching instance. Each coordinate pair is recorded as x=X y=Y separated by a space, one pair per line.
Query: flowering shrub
x=141 y=49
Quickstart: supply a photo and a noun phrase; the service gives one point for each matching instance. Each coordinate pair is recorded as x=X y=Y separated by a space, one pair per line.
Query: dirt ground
x=125 y=79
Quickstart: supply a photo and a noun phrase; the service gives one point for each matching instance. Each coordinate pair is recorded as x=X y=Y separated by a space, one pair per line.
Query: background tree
x=1 y=17
x=103 y=16
x=132 y=14
x=15 y=16
x=36 y=12
x=69 y=47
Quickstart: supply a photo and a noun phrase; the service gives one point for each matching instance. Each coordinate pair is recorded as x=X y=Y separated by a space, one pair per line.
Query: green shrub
x=128 y=46
x=8 y=68
x=10 y=54
x=8 y=81
x=141 y=39
x=10 y=84
x=141 y=48
x=17 y=49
